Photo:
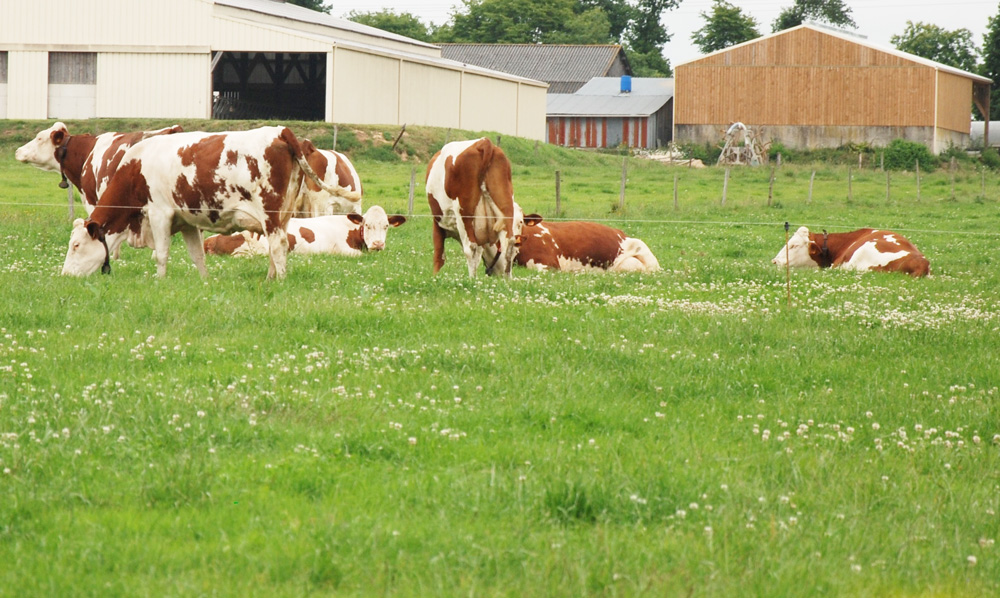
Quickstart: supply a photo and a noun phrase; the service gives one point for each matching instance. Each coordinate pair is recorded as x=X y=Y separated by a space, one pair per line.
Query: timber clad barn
x=260 y=59
x=813 y=87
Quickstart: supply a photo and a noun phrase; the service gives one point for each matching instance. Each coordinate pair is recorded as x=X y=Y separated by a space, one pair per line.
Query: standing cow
x=581 y=246
x=191 y=181
x=336 y=234
x=862 y=250
x=471 y=198
x=336 y=170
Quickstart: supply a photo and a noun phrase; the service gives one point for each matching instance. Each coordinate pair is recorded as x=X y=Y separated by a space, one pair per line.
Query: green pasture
x=365 y=428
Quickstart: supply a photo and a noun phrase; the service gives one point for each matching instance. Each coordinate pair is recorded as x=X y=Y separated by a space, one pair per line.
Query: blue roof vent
x=626 y=84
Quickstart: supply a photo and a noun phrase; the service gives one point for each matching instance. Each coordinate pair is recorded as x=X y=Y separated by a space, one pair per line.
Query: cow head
x=500 y=262
x=88 y=250
x=374 y=225
x=41 y=151
x=800 y=252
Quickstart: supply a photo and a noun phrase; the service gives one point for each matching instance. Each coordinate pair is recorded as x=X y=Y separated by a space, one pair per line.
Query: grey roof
x=564 y=67
x=601 y=96
x=298 y=13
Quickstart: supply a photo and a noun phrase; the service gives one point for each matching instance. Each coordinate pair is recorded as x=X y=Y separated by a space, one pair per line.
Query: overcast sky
x=878 y=20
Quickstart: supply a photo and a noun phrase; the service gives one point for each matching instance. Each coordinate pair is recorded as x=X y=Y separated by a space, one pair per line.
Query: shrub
x=990 y=158
x=903 y=155
x=707 y=153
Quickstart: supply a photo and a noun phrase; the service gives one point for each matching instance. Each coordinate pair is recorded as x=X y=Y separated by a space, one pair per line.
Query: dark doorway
x=269 y=85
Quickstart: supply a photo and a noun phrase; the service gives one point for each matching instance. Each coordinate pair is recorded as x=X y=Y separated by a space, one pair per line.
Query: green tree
x=954 y=48
x=991 y=63
x=833 y=12
x=726 y=26
x=404 y=24
x=317 y=5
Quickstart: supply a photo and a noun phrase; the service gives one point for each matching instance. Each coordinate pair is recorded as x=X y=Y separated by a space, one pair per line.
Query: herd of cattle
x=265 y=192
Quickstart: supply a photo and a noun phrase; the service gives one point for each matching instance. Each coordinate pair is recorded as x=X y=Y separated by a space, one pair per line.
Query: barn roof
x=564 y=67
x=601 y=96
x=855 y=39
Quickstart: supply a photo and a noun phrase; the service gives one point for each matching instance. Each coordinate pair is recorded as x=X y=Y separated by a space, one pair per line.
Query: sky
x=877 y=20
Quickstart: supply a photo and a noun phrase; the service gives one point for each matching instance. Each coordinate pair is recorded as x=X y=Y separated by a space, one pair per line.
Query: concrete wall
x=828 y=137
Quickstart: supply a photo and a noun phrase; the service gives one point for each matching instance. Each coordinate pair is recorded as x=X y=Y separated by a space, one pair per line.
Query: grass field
x=365 y=428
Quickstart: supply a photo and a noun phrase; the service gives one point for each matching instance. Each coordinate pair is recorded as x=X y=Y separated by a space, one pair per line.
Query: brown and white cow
x=338 y=234
x=336 y=170
x=581 y=246
x=86 y=161
x=862 y=250
x=191 y=181
x=471 y=198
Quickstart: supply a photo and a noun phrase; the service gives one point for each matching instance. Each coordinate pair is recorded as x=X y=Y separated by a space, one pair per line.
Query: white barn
x=243 y=59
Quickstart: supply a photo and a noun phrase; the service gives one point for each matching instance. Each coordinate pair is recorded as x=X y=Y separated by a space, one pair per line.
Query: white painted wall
x=27 y=84
x=142 y=85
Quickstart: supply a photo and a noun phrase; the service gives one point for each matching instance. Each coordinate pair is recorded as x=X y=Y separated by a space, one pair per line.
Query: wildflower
x=972 y=560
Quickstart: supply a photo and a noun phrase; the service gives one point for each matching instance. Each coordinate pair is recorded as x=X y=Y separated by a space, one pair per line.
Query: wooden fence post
x=887 y=183
x=770 y=188
x=812 y=178
x=621 y=195
x=850 y=176
x=982 y=182
x=675 y=192
x=536 y=149
x=725 y=186
x=499 y=138
x=413 y=183
x=918 y=180
x=558 y=196
x=951 y=167
x=881 y=161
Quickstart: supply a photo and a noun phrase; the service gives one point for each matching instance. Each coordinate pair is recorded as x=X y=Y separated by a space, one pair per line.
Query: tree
x=317 y=5
x=833 y=12
x=726 y=26
x=991 y=63
x=404 y=24
x=954 y=48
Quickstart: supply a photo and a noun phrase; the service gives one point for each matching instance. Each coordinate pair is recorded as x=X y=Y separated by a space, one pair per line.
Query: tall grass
x=365 y=428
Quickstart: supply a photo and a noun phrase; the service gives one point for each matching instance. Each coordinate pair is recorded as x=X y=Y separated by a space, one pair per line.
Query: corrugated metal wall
x=489 y=104
x=166 y=85
x=365 y=87
x=3 y=85
x=27 y=84
x=440 y=108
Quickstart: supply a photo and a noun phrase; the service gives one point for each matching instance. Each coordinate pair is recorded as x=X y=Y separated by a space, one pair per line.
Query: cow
x=335 y=169
x=471 y=198
x=191 y=181
x=581 y=246
x=863 y=250
x=338 y=234
x=86 y=161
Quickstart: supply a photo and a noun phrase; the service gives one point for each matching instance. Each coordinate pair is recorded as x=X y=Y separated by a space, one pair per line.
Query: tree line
x=638 y=26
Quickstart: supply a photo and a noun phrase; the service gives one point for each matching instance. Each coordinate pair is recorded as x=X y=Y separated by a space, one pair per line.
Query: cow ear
x=532 y=220
x=57 y=136
x=77 y=223
x=307 y=146
x=94 y=229
x=396 y=220
x=355 y=218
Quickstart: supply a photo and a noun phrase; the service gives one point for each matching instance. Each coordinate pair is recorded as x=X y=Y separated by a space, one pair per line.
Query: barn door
x=72 y=85
x=3 y=85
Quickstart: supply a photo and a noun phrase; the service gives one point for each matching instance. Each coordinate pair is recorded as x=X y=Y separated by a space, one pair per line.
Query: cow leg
x=439 y=237
x=196 y=249
x=159 y=225
x=474 y=255
x=277 y=243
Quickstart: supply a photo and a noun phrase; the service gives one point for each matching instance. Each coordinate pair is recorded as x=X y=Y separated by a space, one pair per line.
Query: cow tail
x=296 y=149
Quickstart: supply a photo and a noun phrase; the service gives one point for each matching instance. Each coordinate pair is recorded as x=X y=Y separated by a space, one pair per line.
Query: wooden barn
x=813 y=87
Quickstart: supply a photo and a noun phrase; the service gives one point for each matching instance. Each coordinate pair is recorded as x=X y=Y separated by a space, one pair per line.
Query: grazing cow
x=864 y=249
x=580 y=246
x=472 y=199
x=336 y=170
x=87 y=161
x=338 y=234
x=190 y=181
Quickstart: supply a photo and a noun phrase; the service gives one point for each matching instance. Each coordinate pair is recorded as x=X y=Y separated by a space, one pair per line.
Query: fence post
x=725 y=186
x=918 y=179
x=536 y=149
x=334 y=138
x=621 y=195
x=413 y=183
x=850 y=177
x=770 y=188
x=812 y=178
x=72 y=207
x=558 y=196
x=881 y=161
x=675 y=192
x=887 y=186
x=982 y=182
x=499 y=138
x=951 y=167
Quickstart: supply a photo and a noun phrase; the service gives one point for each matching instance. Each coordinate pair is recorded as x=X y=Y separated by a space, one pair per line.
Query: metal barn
x=812 y=87
x=613 y=111
x=243 y=59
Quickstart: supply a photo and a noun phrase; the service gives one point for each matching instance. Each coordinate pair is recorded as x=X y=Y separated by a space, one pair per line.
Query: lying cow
x=191 y=181
x=339 y=234
x=864 y=249
x=336 y=170
x=471 y=198
x=580 y=246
